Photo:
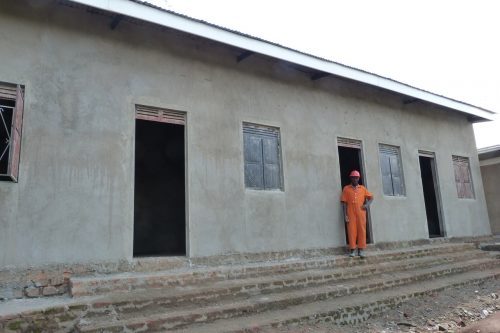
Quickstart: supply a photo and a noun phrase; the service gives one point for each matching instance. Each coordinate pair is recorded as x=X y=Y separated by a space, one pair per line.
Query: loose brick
x=32 y=292
x=100 y=305
x=40 y=282
x=50 y=291
x=57 y=280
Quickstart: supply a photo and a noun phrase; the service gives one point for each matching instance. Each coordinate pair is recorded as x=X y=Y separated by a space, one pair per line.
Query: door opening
x=350 y=159
x=431 y=199
x=159 y=203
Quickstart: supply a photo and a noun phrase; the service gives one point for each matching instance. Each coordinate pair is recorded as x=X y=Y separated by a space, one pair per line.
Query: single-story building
x=130 y=131
x=489 y=160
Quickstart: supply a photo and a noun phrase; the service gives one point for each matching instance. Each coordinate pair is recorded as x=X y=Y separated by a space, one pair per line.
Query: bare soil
x=453 y=310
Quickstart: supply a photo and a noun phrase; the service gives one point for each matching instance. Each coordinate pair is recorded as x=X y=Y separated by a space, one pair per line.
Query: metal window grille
x=463 y=177
x=11 y=118
x=262 y=154
x=392 y=170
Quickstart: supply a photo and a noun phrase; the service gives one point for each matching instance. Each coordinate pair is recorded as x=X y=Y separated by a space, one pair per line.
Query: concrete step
x=343 y=310
x=156 y=317
x=492 y=246
x=126 y=282
x=207 y=292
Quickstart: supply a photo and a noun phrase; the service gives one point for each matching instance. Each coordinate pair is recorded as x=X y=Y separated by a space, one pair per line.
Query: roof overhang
x=146 y=12
x=489 y=155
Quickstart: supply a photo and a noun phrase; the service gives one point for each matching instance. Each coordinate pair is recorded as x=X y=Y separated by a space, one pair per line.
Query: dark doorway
x=429 y=187
x=350 y=159
x=159 y=204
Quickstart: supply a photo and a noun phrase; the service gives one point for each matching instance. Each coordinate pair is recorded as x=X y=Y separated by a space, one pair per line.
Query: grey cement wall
x=491 y=174
x=74 y=199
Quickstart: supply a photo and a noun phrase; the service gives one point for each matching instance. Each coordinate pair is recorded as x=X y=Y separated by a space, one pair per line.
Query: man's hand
x=346 y=219
x=367 y=204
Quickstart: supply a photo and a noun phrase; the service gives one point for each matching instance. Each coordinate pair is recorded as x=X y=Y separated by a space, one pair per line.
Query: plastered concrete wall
x=491 y=175
x=74 y=199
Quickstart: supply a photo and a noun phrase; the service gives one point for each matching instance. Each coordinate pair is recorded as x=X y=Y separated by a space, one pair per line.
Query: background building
x=489 y=159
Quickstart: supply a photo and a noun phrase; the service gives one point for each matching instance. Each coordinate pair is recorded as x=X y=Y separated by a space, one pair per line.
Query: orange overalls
x=355 y=198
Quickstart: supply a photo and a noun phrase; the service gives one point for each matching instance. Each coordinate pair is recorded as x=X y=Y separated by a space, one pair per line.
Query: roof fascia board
x=489 y=153
x=490 y=161
x=489 y=149
x=191 y=26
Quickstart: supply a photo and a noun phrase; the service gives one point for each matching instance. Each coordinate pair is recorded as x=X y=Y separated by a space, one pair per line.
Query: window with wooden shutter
x=11 y=121
x=262 y=154
x=463 y=178
x=392 y=170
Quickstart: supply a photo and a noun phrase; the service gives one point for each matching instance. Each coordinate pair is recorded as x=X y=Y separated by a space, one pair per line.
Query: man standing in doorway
x=355 y=201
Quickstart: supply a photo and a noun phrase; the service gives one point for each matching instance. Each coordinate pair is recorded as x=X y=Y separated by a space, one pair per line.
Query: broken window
x=11 y=119
x=261 y=145
x=392 y=170
x=463 y=178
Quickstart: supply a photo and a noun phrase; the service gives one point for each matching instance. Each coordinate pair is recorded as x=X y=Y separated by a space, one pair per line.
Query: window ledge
x=394 y=197
x=257 y=190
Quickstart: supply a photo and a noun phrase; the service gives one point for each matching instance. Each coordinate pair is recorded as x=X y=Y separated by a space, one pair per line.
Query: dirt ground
x=454 y=310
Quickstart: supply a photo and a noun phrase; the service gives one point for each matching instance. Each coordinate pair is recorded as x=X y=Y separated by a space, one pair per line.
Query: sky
x=449 y=47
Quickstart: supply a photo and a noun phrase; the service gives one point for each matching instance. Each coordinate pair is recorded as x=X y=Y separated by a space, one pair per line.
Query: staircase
x=250 y=297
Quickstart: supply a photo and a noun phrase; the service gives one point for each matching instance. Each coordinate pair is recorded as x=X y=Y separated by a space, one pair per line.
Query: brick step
x=203 y=294
x=126 y=282
x=345 y=310
x=155 y=318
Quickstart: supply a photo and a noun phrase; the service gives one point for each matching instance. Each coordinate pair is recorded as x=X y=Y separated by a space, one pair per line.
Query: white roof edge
x=488 y=149
x=178 y=22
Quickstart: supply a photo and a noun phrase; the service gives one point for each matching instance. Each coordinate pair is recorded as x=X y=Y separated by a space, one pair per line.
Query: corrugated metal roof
x=146 y=11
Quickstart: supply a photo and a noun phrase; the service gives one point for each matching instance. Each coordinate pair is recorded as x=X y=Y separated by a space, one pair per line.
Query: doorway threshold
x=151 y=264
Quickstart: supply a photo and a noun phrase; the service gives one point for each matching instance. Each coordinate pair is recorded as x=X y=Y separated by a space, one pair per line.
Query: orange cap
x=354 y=173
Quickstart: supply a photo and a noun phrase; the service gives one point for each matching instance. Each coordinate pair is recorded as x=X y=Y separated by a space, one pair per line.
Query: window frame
x=13 y=93
x=391 y=153
x=459 y=162
x=262 y=132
